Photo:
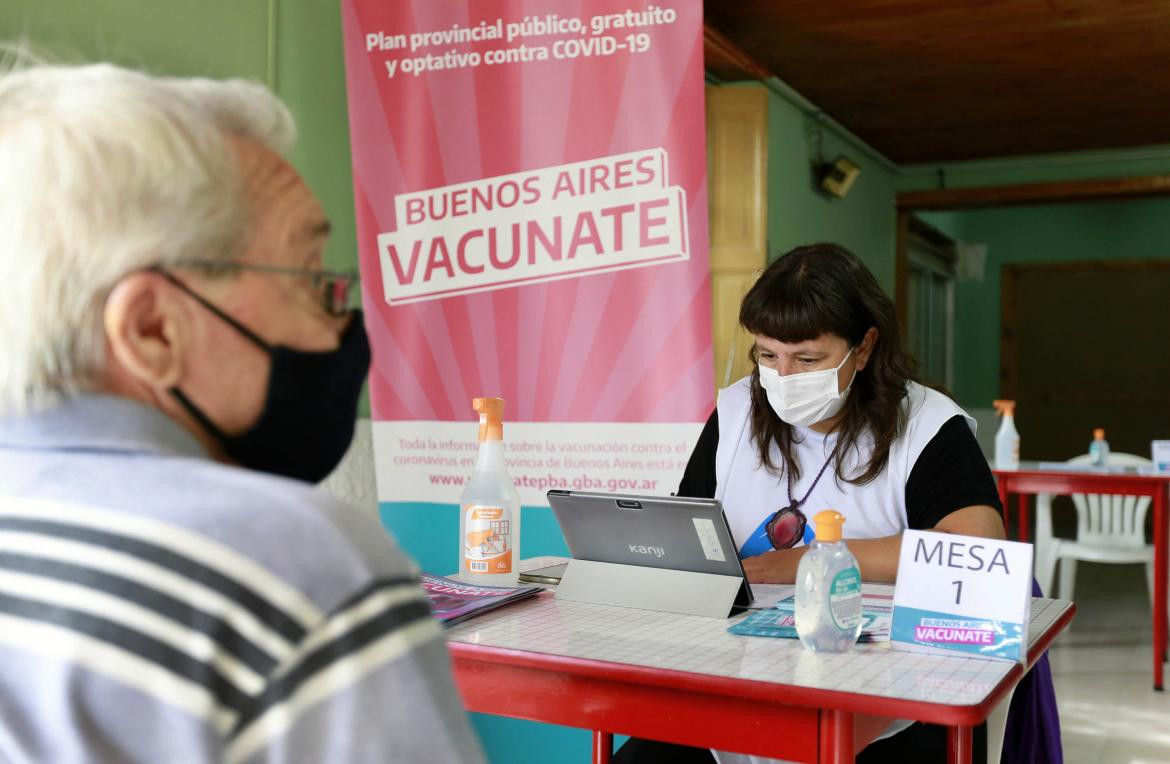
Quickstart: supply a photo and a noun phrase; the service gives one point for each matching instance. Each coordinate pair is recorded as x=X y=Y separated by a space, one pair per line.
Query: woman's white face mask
x=806 y=398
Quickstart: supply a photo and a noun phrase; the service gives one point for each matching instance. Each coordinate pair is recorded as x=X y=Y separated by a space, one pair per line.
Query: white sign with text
x=962 y=594
x=1160 y=454
x=432 y=461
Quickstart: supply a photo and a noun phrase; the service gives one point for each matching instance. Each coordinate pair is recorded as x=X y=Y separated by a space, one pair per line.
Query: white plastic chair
x=996 y=727
x=1109 y=529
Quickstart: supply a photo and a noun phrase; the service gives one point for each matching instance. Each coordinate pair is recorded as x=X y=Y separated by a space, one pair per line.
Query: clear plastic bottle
x=1099 y=449
x=828 y=589
x=1007 y=438
x=489 y=517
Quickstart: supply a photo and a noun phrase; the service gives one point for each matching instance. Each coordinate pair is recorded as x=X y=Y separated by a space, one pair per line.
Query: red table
x=1029 y=479
x=525 y=661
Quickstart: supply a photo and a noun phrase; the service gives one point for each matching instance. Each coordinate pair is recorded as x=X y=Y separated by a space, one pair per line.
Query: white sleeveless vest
x=750 y=493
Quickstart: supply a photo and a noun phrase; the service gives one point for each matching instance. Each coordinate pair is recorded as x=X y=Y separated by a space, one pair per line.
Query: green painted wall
x=162 y=36
x=950 y=223
x=798 y=213
x=1036 y=234
x=310 y=78
x=1116 y=230
x=1151 y=160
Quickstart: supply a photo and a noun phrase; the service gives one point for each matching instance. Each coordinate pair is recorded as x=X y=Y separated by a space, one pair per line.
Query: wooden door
x=737 y=171
x=1086 y=345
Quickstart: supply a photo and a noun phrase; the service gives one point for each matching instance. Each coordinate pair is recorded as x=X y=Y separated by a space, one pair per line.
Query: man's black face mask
x=310 y=405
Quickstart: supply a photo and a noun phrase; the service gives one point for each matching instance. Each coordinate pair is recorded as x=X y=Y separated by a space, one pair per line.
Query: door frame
x=936 y=200
x=942 y=249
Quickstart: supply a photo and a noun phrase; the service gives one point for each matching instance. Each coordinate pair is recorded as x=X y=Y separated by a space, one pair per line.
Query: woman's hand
x=877 y=558
x=775 y=567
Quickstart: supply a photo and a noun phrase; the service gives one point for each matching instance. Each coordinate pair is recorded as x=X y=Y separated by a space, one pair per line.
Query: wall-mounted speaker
x=838 y=176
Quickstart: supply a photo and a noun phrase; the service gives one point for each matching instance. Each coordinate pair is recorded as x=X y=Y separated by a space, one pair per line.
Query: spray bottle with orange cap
x=1007 y=438
x=489 y=518
x=1099 y=449
x=828 y=589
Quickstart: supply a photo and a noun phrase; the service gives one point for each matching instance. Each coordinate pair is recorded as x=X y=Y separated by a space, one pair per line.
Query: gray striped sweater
x=156 y=606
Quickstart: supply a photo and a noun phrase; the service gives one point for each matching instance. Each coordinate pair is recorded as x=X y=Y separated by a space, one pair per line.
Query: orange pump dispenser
x=491 y=418
x=489 y=517
x=1007 y=438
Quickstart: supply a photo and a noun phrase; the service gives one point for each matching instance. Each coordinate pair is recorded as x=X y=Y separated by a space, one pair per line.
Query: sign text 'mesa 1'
x=962 y=594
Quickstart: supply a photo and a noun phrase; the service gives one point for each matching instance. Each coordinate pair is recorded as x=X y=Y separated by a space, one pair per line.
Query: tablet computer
x=550 y=574
x=673 y=532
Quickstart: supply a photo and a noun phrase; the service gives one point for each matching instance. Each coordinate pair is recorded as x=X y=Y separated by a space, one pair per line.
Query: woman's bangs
x=793 y=315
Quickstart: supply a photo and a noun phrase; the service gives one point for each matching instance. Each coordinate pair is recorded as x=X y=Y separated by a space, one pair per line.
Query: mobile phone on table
x=550 y=575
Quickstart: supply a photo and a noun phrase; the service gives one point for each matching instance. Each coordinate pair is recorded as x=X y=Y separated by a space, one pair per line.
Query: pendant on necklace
x=786 y=528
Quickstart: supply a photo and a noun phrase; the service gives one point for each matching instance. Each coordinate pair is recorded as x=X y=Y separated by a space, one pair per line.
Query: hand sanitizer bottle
x=1099 y=449
x=1007 y=439
x=828 y=589
x=489 y=517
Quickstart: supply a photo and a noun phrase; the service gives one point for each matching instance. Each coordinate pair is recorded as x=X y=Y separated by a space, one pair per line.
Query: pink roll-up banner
x=530 y=184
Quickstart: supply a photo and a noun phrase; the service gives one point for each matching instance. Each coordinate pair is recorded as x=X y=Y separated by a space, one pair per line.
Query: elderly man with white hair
x=176 y=370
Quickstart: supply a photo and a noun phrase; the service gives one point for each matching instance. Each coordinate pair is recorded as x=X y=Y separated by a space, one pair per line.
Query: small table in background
x=1030 y=479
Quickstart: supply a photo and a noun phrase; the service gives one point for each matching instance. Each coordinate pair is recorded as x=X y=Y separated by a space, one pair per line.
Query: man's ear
x=865 y=349
x=146 y=330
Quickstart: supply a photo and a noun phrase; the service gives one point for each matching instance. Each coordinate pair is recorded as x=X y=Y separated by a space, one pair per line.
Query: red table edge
x=1062 y=483
x=1056 y=477
x=1157 y=487
x=925 y=711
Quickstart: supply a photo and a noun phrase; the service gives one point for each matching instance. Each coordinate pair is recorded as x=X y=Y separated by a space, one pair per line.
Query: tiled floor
x=1102 y=667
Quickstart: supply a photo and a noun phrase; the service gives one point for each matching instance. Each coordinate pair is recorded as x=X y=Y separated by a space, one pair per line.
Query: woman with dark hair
x=832 y=417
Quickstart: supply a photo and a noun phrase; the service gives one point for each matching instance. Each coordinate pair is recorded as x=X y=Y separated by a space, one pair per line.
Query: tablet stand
x=671 y=591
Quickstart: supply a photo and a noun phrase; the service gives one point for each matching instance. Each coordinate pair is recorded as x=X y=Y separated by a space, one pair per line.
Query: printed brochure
x=780 y=621
x=453 y=601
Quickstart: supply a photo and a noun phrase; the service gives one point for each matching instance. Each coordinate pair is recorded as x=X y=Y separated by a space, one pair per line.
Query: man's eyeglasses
x=335 y=288
x=786 y=528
